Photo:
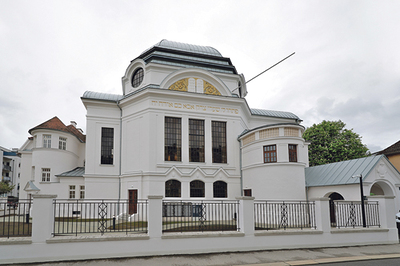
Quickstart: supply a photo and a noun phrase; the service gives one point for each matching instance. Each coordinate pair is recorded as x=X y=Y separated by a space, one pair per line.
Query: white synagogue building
x=181 y=128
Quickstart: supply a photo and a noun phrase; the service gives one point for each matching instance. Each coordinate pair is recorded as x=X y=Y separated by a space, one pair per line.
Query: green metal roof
x=76 y=172
x=271 y=113
x=206 y=50
x=340 y=173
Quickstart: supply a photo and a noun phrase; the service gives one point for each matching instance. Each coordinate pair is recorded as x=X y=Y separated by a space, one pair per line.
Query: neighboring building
x=393 y=154
x=53 y=149
x=340 y=181
x=181 y=128
x=10 y=171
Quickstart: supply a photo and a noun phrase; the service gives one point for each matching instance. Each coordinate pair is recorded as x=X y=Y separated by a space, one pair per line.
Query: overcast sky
x=346 y=66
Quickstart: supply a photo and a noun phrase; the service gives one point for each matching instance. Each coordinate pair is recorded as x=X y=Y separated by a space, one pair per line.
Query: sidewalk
x=257 y=258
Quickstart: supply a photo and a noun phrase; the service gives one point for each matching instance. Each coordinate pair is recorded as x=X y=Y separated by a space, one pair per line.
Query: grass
x=15 y=229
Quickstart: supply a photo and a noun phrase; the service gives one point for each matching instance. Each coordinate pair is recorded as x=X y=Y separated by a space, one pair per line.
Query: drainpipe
x=120 y=153
x=241 y=172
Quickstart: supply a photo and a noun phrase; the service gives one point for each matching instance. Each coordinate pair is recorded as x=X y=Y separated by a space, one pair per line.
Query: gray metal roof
x=77 y=172
x=340 y=173
x=187 y=48
x=271 y=113
x=102 y=96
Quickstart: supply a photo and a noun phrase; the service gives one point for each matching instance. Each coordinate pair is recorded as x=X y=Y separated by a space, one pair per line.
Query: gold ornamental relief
x=180 y=85
x=183 y=85
x=210 y=89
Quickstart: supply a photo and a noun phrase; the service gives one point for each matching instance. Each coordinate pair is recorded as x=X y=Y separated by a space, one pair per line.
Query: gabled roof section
x=188 y=56
x=340 y=173
x=391 y=150
x=270 y=113
x=76 y=172
x=56 y=124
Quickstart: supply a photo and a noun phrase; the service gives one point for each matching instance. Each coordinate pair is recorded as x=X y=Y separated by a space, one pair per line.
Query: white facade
x=52 y=150
x=168 y=90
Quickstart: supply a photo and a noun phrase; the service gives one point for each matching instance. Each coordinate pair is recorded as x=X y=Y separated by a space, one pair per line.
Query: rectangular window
x=82 y=192
x=196 y=140
x=292 y=153
x=247 y=192
x=72 y=192
x=107 y=145
x=46 y=141
x=172 y=138
x=218 y=142
x=270 y=154
x=62 y=143
x=45 y=174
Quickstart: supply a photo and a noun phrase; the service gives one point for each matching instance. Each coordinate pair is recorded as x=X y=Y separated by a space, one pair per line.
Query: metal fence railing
x=15 y=220
x=273 y=215
x=99 y=216
x=349 y=214
x=201 y=216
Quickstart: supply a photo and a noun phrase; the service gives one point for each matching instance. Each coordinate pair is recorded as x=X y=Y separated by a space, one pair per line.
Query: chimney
x=73 y=123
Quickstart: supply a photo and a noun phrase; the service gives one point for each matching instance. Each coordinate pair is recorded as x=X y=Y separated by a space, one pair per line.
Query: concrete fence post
x=246 y=215
x=154 y=219
x=387 y=210
x=42 y=217
x=322 y=214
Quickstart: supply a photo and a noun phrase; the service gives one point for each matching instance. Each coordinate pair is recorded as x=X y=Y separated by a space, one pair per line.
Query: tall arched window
x=197 y=189
x=173 y=188
x=220 y=189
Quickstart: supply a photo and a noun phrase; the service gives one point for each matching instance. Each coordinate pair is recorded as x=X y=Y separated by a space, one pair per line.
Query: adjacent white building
x=181 y=128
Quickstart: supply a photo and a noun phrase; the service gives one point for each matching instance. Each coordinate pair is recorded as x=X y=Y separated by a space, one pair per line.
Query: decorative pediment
x=194 y=85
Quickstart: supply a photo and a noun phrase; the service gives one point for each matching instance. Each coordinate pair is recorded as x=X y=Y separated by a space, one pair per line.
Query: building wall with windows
x=52 y=149
x=179 y=130
x=10 y=169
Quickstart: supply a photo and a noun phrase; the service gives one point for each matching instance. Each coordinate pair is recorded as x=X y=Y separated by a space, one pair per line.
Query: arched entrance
x=332 y=197
x=381 y=188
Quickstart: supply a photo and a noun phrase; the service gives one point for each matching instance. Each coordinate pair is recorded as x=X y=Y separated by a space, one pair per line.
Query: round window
x=137 y=77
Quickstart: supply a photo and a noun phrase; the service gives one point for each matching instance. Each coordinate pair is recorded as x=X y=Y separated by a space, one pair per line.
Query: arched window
x=197 y=189
x=220 y=189
x=173 y=188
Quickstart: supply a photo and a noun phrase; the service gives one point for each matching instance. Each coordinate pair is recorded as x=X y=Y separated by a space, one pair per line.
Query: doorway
x=132 y=202
x=332 y=197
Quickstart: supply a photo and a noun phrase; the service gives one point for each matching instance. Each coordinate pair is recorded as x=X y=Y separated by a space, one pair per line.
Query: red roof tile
x=56 y=124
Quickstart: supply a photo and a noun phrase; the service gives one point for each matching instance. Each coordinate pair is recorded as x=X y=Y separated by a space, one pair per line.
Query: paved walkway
x=259 y=258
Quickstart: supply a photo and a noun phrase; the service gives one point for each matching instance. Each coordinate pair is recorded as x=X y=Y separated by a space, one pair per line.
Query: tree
x=5 y=187
x=330 y=143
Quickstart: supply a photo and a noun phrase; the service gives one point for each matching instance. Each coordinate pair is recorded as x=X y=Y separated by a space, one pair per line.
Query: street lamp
x=362 y=199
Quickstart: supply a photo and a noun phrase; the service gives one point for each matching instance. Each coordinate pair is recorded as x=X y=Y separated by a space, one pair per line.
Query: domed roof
x=188 y=55
x=197 y=49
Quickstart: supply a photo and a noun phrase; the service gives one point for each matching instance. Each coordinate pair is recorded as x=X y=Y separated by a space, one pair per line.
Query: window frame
x=219 y=143
x=46 y=141
x=221 y=191
x=172 y=139
x=81 y=192
x=292 y=149
x=72 y=192
x=196 y=140
x=270 y=156
x=173 y=188
x=197 y=189
x=62 y=143
x=107 y=146
x=46 y=174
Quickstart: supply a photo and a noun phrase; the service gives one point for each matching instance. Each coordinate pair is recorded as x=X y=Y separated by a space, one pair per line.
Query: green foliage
x=6 y=187
x=330 y=143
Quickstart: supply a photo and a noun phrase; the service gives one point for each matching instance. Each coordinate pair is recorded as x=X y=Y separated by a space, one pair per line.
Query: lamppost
x=362 y=199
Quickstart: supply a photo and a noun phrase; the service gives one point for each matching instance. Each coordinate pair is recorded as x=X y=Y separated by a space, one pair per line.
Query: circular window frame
x=137 y=77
